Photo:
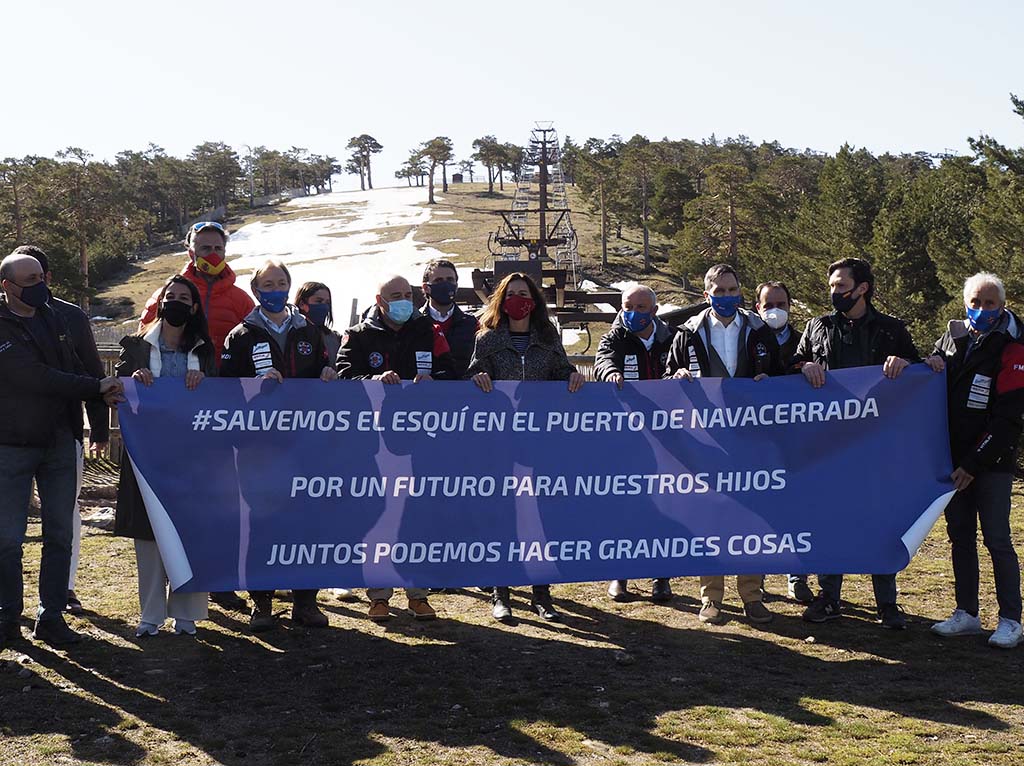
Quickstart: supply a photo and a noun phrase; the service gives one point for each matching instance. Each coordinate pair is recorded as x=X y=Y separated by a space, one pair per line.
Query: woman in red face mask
x=518 y=341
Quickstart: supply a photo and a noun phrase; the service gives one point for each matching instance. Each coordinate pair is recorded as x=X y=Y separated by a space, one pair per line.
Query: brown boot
x=757 y=613
x=379 y=611
x=711 y=613
x=421 y=610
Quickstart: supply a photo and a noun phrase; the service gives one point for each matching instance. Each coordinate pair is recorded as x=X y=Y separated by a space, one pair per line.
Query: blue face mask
x=400 y=311
x=725 y=305
x=636 y=321
x=443 y=293
x=317 y=313
x=273 y=301
x=983 y=320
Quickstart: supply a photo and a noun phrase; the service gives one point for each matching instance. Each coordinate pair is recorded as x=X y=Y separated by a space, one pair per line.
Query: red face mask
x=518 y=307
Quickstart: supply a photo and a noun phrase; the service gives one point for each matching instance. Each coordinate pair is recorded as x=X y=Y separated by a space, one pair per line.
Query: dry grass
x=628 y=684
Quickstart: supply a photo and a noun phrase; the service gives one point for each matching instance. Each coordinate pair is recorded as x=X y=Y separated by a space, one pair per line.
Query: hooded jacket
x=39 y=388
x=985 y=384
x=224 y=303
x=757 y=341
x=621 y=351
x=371 y=348
x=250 y=350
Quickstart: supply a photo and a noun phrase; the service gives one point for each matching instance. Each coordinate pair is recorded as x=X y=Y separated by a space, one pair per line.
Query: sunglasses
x=198 y=227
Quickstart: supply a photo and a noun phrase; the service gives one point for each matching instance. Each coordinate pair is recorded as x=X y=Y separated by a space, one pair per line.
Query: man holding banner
x=725 y=341
x=854 y=335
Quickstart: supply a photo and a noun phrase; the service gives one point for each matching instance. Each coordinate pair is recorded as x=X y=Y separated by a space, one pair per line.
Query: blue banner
x=252 y=484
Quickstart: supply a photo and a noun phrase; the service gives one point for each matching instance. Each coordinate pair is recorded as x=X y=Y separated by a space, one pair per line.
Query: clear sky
x=891 y=76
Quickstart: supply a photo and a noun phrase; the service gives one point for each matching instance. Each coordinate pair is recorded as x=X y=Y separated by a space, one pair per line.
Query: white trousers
x=156 y=600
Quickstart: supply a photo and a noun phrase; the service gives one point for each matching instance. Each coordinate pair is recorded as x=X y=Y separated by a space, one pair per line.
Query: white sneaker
x=146 y=629
x=344 y=594
x=959 y=624
x=1007 y=634
x=186 y=627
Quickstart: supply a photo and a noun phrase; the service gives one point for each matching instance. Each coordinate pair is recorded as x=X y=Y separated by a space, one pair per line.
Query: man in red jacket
x=224 y=303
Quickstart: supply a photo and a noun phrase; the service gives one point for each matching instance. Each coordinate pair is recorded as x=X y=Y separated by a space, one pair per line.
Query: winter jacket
x=40 y=388
x=250 y=350
x=621 y=351
x=85 y=346
x=887 y=336
x=371 y=348
x=137 y=353
x=460 y=333
x=545 y=358
x=985 y=384
x=757 y=341
x=224 y=303
x=787 y=350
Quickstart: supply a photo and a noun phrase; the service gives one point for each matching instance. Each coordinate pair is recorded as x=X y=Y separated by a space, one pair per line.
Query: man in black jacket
x=453 y=327
x=725 y=341
x=854 y=335
x=635 y=348
x=41 y=391
x=984 y=359
x=99 y=414
x=394 y=343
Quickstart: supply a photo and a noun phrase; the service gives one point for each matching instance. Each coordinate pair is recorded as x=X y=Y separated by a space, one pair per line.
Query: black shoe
x=541 y=603
x=229 y=600
x=891 y=617
x=822 y=610
x=55 y=632
x=617 y=590
x=661 y=591
x=801 y=591
x=74 y=606
x=501 y=604
x=262 y=618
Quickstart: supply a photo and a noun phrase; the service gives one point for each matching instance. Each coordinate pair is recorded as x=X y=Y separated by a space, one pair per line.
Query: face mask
x=175 y=313
x=317 y=313
x=443 y=293
x=518 y=307
x=211 y=264
x=983 y=320
x=637 y=321
x=400 y=311
x=273 y=301
x=843 y=302
x=776 y=318
x=36 y=296
x=725 y=305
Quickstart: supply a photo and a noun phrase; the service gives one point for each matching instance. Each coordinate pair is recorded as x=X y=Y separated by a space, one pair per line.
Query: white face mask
x=775 y=318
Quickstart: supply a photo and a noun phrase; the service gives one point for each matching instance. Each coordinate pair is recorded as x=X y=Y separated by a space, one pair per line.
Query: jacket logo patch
x=761 y=350
x=304 y=347
x=630 y=359
x=424 y=361
x=376 y=359
x=260 y=348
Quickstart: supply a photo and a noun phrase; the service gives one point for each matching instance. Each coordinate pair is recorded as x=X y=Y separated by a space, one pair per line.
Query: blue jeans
x=885 y=588
x=54 y=469
x=987 y=499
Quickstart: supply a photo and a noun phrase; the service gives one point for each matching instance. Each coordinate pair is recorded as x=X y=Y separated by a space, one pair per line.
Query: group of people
x=200 y=323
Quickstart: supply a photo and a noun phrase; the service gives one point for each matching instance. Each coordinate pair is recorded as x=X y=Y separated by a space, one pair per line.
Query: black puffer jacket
x=371 y=348
x=887 y=336
x=131 y=519
x=621 y=351
x=690 y=346
x=39 y=388
x=986 y=394
x=545 y=357
x=250 y=349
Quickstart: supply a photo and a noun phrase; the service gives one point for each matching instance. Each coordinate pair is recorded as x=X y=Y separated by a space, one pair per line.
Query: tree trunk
x=643 y=220
x=604 y=227
x=18 y=225
x=732 y=232
x=444 y=177
x=490 y=179
x=369 y=176
x=471 y=176
x=501 y=178
x=430 y=185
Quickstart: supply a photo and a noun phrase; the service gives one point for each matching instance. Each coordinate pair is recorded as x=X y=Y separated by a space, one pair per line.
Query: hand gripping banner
x=257 y=485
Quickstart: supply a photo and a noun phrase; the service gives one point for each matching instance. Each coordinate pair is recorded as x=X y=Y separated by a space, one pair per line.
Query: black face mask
x=36 y=296
x=175 y=313
x=843 y=302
